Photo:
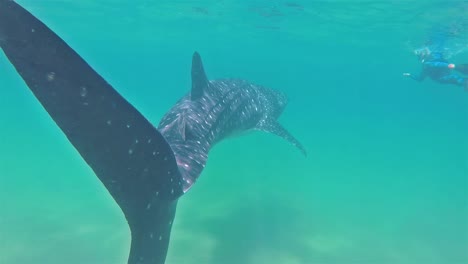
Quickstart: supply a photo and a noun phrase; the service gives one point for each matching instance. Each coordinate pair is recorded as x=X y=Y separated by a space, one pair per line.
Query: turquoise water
x=386 y=178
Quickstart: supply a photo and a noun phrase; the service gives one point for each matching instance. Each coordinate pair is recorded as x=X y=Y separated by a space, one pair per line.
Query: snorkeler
x=436 y=67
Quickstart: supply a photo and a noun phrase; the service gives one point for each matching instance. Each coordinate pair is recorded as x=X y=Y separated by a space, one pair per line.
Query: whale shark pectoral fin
x=181 y=125
x=129 y=156
x=276 y=128
x=199 y=80
x=185 y=131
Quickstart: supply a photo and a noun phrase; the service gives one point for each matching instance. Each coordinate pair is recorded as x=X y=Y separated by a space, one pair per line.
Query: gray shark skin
x=214 y=110
x=146 y=170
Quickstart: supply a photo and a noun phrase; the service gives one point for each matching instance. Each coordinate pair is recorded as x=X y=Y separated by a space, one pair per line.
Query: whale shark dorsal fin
x=199 y=79
x=272 y=126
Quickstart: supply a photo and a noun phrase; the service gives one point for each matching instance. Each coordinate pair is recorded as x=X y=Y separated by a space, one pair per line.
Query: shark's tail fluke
x=126 y=152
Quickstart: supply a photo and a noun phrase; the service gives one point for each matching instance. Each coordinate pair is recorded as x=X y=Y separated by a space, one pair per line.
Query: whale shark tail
x=129 y=156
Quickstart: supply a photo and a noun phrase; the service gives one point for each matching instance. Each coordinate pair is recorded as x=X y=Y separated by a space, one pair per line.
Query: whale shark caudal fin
x=272 y=126
x=199 y=80
x=130 y=157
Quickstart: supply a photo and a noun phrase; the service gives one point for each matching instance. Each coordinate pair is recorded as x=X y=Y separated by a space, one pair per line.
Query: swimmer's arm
x=420 y=77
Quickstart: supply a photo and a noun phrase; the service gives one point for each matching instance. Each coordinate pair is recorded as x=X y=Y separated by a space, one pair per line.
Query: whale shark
x=146 y=169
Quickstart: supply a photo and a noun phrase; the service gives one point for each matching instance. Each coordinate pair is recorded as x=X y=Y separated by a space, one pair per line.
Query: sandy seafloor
x=386 y=178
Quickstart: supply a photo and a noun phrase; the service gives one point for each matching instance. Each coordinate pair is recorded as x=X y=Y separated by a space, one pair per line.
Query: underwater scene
x=337 y=132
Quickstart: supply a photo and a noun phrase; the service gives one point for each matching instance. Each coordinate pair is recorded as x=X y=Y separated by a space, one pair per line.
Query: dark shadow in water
x=269 y=225
x=294 y=6
x=200 y=10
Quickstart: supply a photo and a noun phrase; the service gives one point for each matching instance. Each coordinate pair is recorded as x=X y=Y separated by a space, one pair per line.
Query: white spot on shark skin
x=172 y=191
x=136 y=141
x=151 y=235
x=109 y=122
x=33 y=30
x=157 y=193
x=149 y=140
x=51 y=76
x=130 y=151
x=148 y=206
x=230 y=104
x=160 y=237
x=83 y=91
x=154 y=153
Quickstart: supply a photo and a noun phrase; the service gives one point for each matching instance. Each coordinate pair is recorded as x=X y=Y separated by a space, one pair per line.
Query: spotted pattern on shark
x=220 y=109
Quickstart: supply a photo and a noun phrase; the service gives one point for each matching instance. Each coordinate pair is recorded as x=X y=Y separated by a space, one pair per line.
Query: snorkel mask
x=422 y=53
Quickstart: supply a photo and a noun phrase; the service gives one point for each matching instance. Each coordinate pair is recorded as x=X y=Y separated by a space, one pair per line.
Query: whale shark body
x=145 y=169
x=214 y=110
